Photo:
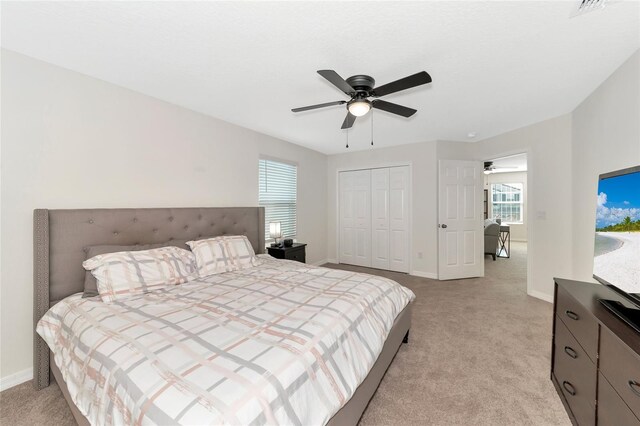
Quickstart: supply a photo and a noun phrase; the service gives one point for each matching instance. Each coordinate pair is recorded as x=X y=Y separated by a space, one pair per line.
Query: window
x=506 y=202
x=278 y=184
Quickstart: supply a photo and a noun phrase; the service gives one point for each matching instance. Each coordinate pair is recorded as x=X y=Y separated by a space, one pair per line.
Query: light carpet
x=478 y=354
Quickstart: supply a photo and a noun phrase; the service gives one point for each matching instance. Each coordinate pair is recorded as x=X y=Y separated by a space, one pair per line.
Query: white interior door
x=355 y=217
x=460 y=220
x=380 y=218
x=399 y=219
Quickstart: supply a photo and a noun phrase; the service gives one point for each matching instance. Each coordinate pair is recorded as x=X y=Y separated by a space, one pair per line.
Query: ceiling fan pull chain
x=372 y=127
x=347 y=138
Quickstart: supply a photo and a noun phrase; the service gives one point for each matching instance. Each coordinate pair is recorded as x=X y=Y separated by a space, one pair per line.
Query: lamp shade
x=275 y=230
x=359 y=107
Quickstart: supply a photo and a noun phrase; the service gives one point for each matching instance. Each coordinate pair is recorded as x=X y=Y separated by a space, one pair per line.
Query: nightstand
x=295 y=252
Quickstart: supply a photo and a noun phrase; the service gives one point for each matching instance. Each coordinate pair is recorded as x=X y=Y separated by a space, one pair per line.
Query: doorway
x=506 y=217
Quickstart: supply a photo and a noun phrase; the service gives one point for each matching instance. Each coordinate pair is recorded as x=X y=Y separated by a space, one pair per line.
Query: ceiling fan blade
x=337 y=81
x=326 y=104
x=404 y=83
x=393 y=108
x=348 y=121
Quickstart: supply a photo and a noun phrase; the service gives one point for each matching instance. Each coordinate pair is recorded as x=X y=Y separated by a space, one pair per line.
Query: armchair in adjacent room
x=491 y=234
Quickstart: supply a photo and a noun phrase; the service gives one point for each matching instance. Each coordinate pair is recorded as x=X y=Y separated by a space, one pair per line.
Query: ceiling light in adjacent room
x=359 y=107
x=471 y=135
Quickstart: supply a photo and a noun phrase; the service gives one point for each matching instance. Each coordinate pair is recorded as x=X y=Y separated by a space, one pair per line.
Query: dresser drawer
x=621 y=366
x=579 y=321
x=576 y=375
x=611 y=408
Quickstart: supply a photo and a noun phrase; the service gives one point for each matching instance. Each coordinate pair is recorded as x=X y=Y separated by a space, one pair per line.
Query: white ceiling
x=496 y=66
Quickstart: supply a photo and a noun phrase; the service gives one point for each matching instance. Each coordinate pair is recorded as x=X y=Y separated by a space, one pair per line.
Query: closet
x=374 y=218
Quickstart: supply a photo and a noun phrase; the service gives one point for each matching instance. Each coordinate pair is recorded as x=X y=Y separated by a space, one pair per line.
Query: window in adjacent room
x=506 y=202
x=278 y=184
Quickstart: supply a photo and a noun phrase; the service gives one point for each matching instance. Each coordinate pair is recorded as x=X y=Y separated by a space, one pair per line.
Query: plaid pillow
x=90 y=283
x=128 y=273
x=223 y=254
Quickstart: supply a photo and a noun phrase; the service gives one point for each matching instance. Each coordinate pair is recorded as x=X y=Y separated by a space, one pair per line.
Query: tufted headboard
x=61 y=238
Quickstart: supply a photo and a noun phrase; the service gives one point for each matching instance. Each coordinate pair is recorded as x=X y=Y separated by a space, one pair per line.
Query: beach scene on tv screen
x=617 y=245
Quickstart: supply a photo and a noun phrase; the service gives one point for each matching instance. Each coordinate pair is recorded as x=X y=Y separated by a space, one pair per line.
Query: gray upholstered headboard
x=61 y=237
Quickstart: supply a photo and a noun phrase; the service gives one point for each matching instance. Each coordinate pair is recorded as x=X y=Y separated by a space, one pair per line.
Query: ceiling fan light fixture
x=359 y=107
x=361 y=87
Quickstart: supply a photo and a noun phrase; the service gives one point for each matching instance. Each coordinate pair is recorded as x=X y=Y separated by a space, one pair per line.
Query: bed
x=62 y=236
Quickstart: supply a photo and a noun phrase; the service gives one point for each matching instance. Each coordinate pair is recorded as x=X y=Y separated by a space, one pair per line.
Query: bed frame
x=61 y=238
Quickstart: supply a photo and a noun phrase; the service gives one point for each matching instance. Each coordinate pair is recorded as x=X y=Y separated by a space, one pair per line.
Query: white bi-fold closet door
x=374 y=218
x=355 y=217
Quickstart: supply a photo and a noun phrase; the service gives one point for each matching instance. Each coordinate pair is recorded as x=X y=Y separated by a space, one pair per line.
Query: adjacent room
x=320 y=213
x=505 y=212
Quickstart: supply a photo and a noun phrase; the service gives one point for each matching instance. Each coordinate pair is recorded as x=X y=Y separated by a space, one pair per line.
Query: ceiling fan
x=361 y=87
x=489 y=167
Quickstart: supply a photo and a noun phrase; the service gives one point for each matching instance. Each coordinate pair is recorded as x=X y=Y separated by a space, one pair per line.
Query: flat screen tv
x=616 y=261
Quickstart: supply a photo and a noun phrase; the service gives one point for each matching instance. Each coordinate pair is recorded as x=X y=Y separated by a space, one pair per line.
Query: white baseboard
x=431 y=275
x=319 y=262
x=332 y=261
x=540 y=295
x=16 y=378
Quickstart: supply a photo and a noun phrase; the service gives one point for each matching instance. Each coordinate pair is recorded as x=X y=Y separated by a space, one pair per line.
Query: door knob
x=443 y=225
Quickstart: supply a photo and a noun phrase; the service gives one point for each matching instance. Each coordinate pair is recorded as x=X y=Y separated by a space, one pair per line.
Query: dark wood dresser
x=595 y=357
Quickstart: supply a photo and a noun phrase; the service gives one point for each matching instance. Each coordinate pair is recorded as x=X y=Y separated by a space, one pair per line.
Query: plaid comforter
x=279 y=343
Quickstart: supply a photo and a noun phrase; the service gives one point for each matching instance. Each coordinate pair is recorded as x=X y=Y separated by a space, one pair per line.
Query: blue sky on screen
x=618 y=197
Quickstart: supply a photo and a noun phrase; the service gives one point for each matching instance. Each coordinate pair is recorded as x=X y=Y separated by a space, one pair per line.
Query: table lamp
x=275 y=232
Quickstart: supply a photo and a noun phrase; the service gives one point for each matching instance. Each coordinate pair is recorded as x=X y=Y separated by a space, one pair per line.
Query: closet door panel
x=355 y=217
x=397 y=247
x=380 y=218
x=346 y=219
x=399 y=219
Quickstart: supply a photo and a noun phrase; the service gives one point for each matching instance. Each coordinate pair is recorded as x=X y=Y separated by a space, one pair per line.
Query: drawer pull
x=572 y=315
x=569 y=388
x=635 y=387
x=571 y=352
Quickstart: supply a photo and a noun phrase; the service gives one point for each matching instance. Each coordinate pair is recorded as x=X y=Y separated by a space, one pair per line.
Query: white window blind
x=278 y=183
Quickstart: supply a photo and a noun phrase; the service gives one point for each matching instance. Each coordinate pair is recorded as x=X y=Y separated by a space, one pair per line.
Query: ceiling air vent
x=585 y=6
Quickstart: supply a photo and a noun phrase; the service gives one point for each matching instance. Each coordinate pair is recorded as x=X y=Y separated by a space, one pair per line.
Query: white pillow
x=128 y=273
x=223 y=254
